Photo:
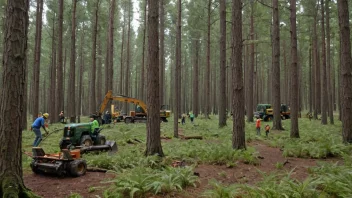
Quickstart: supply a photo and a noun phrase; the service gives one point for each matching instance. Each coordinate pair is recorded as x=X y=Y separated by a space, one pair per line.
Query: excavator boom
x=139 y=103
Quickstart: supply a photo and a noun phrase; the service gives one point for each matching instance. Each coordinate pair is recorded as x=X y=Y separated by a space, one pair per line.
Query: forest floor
x=93 y=184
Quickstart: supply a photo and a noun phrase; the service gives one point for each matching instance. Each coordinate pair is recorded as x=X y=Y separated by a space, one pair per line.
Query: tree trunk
x=81 y=73
x=324 y=95
x=294 y=72
x=71 y=96
x=311 y=90
x=60 y=80
x=99 y=86
x=346 y=70
x=142 y=83
x=37 y=55
x=54 y=116
x=250 y=71
x=111 y=45
x=128 y=54
x=12 y=98
x=153 y=100
x=92 y=95
x=207 y=72
x=195 y=96
x=177 y=70
x=122 y=54
x=330 y=70
x=222 y=81
x=276 y=68
x=238 y=131
x=317 y=88
x=161 y=47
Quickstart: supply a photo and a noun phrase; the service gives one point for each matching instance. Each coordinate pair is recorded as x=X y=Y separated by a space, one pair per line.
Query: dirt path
x=49 y=186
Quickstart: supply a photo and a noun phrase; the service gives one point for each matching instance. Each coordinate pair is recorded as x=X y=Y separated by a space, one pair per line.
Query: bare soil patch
x=52 y=186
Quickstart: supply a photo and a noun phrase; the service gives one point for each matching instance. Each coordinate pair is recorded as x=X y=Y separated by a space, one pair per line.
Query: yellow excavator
x=140 y=113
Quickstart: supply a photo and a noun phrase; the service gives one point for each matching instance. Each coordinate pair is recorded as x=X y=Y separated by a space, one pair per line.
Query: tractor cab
x=263 y=110
x=78 y=134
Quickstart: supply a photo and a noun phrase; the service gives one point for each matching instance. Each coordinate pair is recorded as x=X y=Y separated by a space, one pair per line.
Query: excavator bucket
x=109 y=146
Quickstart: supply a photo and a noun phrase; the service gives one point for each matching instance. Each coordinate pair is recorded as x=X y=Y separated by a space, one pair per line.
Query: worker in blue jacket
x=39 y=122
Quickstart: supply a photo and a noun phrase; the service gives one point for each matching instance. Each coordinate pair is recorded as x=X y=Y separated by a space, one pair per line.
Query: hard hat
x=45 y=115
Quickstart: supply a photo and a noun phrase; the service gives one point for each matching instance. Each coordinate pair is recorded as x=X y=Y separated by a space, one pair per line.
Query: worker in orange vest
x=257 y=125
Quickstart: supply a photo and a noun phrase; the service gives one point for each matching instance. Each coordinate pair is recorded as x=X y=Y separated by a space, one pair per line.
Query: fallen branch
x=95 y=169
x=192 y=137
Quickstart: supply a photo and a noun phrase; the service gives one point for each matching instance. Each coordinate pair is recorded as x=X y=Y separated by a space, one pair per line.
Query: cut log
x=192 y=137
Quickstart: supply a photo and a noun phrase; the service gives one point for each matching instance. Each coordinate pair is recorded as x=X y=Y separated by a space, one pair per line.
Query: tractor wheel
x=34 y=168
x=163 y=119
x=101 y=140
x=86 y=140
x=270 y=118
x=78 y=167
x=128 y=120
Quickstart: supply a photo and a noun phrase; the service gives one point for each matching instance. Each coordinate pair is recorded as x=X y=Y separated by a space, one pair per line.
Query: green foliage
x=220 y=191
x=335 y=180
x=141 y=181
x=75 y=195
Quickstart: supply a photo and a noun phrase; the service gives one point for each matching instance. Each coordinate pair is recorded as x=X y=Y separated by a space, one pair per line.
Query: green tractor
x=266 y=112
x=79 y=135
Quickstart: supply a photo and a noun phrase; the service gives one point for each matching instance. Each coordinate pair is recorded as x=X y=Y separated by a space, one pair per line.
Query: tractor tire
x=163 y=119
x=128 y=120
x=101 y=140
x=269 y=118
x=34 y=168
x=78 y=168
x=86 y=140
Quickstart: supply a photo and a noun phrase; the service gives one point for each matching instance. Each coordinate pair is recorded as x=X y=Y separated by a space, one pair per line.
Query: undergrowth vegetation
x=141 y=176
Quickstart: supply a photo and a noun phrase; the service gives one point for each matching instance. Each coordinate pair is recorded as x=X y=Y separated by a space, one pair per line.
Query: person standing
x=191 y=115
x=267 y=130
x=39 y=122
x=257 y=125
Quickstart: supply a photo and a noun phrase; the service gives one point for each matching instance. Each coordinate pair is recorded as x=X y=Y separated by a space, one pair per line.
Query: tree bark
x=207 y=72
x=37 y=55
x=250 y=71
x=330 y=70
x=276 y=68
x=324 y=92
x=81 y=73
x=111 y=45
x=177 y=70
x=60 y=81
x=92 y=97
x=12 y=98
x=71 y=96
x=195 y=104
x=122 y=53
x=346 y=71
x=52 y=100
x=128 y=56
x=317 y=95
x=294 y=72
x=99 y=86
x=238 y=131
x=153 y=100
x=222 y=80
x=142 y=84
x=162 y=48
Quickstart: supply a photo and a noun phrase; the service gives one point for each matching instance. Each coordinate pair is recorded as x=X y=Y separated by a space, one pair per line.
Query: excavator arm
x=141 y=111
x=121 y=98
